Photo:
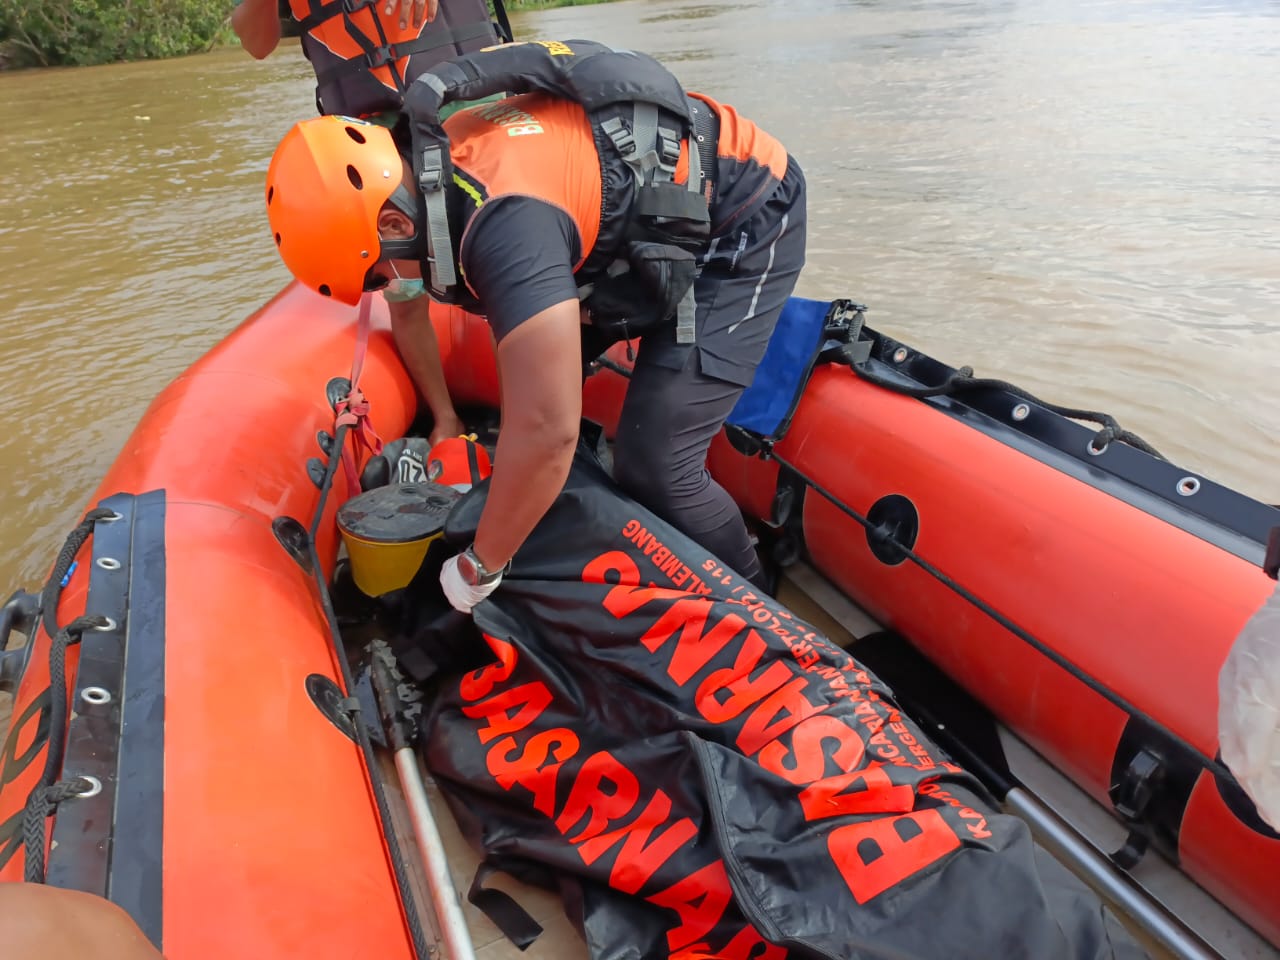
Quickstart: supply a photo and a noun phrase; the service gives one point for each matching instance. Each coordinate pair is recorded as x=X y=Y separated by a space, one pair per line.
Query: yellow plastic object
x=388 y=530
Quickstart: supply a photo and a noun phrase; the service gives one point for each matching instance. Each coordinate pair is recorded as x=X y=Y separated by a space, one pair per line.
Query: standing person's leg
x=679 y=396
x=668 y=421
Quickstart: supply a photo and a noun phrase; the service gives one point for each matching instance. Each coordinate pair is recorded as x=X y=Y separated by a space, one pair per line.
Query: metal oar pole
x=444 y=896
x=453 y=925
x=1071 y=847
x=1114 y=884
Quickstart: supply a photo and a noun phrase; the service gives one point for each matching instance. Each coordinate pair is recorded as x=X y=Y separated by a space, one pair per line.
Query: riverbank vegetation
x=49 y=33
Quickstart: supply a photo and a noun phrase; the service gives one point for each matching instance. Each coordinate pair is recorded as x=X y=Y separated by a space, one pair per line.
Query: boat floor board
x=559 y=938
x=806 y=592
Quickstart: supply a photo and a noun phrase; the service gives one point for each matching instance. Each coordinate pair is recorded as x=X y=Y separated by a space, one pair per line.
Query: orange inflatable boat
x=193 y=741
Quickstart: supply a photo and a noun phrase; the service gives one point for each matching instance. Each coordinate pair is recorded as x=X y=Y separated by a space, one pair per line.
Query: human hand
x=462 y=596
x=422 y=11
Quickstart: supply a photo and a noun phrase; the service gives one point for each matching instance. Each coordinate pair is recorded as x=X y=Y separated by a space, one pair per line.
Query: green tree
x=81 y=32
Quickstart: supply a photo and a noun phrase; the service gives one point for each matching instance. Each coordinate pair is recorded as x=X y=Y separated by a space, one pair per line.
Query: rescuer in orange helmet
x=599 y=194
x=365 y=54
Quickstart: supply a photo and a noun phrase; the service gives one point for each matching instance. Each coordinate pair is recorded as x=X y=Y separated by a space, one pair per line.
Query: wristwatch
x=474 y=573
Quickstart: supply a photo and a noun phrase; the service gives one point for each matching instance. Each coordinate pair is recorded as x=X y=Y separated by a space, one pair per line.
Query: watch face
x=467 y=567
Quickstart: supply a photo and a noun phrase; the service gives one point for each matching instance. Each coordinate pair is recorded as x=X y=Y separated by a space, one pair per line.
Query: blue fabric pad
x=765 y=406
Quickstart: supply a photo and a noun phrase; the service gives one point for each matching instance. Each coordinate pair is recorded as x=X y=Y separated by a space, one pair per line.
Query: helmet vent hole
x=324 y=290
x=354 y=176
x=355 y=134
x=277 y=239
x=271 y=192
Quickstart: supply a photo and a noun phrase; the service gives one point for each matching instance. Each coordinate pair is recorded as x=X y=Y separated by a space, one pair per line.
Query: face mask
x=402 y=289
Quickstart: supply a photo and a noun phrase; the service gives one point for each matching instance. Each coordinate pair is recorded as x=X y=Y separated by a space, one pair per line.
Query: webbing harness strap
x=649 y=149
x=320 y=13
x=376 y=55
x=431 y=181
x=652 y=151
x=353 y=409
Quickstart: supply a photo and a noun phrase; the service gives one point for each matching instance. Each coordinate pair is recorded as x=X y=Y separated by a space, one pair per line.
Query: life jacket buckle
x=623 y=139
x=381 y=56
x=668 y=150
x=431 y=178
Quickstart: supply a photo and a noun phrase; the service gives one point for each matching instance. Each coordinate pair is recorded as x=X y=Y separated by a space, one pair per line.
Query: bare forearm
x=257 y=24
x=419 y=349
x=530 y=467
x=539 y=365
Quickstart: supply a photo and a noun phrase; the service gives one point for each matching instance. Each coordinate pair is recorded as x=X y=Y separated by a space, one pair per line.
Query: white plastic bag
x=1249 y=709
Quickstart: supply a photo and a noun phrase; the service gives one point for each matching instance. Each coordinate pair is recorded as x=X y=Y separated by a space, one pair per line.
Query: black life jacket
x=364 y=61
x=635 y=105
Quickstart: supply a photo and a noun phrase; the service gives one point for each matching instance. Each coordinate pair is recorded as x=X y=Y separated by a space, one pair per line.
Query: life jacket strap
x=651 y=148
x=431 y=181
x=379 y=55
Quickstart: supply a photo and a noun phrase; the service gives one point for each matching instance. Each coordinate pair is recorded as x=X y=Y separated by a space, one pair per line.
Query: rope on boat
x=963 y=381
x=40 y=805
x=60 y=639
x=352 y=705
x=52 y=591
x=46 y=794
x=876 y=532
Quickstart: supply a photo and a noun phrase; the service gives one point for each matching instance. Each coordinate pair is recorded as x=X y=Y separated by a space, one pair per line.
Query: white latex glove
x=1249 y=709
x=463 y=596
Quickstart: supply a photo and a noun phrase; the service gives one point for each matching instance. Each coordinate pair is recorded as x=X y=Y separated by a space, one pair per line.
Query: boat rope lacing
x=47 y=794
x=353 y=411
x=40 y=805
x=878 y=533
x=52 y=591
x=963 y=381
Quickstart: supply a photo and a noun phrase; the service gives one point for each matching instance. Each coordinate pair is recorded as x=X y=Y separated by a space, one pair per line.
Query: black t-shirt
x=518 y=256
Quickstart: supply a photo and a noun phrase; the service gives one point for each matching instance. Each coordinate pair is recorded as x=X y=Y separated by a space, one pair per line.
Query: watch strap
x=484 y=574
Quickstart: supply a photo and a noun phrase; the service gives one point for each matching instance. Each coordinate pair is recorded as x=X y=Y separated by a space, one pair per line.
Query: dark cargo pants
x=681 y=394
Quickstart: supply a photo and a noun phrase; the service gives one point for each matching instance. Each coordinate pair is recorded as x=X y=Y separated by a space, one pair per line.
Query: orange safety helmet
x=327 y=182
